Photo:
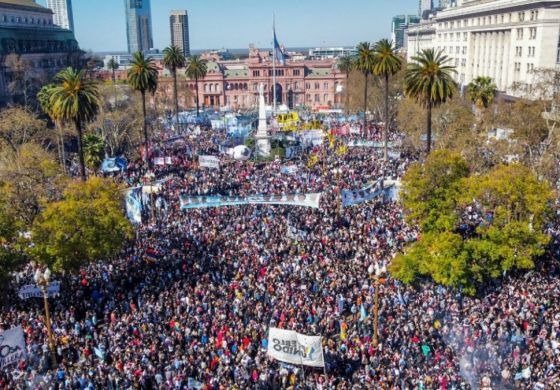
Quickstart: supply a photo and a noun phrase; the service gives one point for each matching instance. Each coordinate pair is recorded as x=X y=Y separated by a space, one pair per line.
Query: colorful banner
x=34 y=291
x=134 y=205
x=12 y=347
x=351 y=198
x=114 y=164
x=291 y=347
x=209 y=162
x=304 y=200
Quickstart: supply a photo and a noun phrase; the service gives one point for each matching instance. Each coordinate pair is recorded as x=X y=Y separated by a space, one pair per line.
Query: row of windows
x=25 y=20
x=517 y=67
x=532 y=33
x=492 y=19
x=530 y=51
x=243 y=86
x=279 y=72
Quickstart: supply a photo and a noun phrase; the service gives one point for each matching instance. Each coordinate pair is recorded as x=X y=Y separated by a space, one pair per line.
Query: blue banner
x=114 y=164
x=353 y=197
x=134 y=205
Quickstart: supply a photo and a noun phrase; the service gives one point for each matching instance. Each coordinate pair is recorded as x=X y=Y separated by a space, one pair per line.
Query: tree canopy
x=474 y=227
x=87 y=225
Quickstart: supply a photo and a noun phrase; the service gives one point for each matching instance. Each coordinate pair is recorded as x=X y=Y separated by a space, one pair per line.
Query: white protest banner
x=209 y=162
x=295 y=348
x=304 y=200
x=12 y=346
x=33 y=291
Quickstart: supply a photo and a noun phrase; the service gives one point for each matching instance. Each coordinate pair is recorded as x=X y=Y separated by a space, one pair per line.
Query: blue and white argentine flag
x=277 y=50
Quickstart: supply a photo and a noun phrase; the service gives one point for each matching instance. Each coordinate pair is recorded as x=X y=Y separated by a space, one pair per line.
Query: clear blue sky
x=100 y=24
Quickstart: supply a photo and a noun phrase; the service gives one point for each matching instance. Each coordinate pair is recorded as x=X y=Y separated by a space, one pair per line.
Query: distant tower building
x=62 y=10
x=399 y=24
x=179 y=23
x=138 y=25
x=423 y=6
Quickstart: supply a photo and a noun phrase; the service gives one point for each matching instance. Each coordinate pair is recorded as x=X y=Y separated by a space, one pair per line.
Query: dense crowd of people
x=189 y=303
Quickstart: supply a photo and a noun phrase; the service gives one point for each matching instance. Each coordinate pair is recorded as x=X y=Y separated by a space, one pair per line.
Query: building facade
x=327 y=53
x=398 y=26
x=32 y=47
x=62 y=10
x=179 y=24
x=138 y=25
x=502 y=39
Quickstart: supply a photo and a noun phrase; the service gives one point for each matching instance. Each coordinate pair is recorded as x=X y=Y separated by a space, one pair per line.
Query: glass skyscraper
x=62 y=10
x=138 y=25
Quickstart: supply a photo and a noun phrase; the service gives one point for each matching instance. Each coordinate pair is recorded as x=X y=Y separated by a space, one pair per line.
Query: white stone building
x=503 y=39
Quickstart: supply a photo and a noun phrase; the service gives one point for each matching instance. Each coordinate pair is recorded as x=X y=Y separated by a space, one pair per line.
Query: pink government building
x=316 y=84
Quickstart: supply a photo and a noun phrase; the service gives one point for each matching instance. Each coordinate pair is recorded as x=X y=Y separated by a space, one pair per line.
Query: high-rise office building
x=425 y=6
x=62 y=10
x=398 y=25
x=138 y=25
x=179 y=24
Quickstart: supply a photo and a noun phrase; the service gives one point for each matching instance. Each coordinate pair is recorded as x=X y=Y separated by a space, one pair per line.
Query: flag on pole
x=278 y=54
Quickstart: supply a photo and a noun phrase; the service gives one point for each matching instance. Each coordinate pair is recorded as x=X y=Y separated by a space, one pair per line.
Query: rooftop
x=24 y=4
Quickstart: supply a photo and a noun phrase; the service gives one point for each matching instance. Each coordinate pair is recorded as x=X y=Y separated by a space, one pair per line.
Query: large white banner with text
x=209 y=162
x=12 y=346
x=291 y=347
x=34 y=291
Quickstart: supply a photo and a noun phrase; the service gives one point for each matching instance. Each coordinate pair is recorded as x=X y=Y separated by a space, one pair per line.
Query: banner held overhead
x=304 y=200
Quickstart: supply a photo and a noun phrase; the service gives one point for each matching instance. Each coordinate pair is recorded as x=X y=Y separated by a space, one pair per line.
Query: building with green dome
x=32 y=48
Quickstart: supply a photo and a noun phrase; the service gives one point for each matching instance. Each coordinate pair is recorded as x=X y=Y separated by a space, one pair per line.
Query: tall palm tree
x=345 y=65
x=75 y=99
x=45 y=102
x=388 y=64
x=143 y=77
x=482 y=91
x=364 y=63
x=173 y=59
x=113 y=65
x=429 y=81
x=196 y=69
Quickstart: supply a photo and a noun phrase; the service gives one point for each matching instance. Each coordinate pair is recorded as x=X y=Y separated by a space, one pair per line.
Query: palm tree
x=45 y=102
x=196 y=69
x=345 y=65
x=364 y=63
x=173 y=58
x=143 y=77
x=113 y=65
x=482 y=91
x=75 y=99
x=388 y=64
x=429 y=81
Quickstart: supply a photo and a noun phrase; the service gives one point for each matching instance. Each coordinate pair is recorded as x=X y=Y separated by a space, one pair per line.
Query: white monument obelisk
x=262 y=136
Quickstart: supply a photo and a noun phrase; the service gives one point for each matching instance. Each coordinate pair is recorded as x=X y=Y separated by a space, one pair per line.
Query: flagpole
x=274 y=65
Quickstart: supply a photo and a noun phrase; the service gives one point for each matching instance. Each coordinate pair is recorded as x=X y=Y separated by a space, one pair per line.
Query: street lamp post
x=375 y=273
x=42 y=278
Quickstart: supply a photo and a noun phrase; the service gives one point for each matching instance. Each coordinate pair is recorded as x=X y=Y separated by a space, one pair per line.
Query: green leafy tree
x=28 y=179
x=87 y=225
x=196 y=70
x=94 y=149
x=429 y=81
x=346 y=65
x=431 y=191
x=44 y=98
x=173 y=59
x=365 y=62
x=143 y=77
x=75 y=99
x=387 y=64
x=10 y=254
x=514 y=207
x=482 y=91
